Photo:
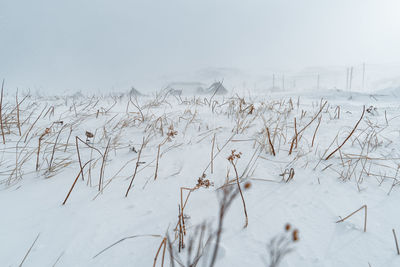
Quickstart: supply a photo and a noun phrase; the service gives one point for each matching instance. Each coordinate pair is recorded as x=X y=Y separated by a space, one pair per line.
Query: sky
x=56 y=45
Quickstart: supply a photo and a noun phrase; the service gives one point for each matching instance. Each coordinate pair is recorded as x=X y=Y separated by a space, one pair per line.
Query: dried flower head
x=202 y=182
x=234 y=155
x=287 y=227
x=171 y=132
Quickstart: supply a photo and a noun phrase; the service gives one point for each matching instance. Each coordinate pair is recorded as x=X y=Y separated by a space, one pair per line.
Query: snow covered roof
x=217 y=88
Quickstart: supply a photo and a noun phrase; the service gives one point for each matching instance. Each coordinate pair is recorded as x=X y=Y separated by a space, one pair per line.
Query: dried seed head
x=89 y=134
x=295 y=235
x=287 y=227
x=201 y=182
x=247 y=185
x=234 y=155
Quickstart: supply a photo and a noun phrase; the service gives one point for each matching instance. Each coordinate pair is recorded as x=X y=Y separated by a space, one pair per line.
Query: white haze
x=54 y=45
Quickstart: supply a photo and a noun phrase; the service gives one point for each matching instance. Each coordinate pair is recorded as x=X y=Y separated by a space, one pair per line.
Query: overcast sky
x=78 y=44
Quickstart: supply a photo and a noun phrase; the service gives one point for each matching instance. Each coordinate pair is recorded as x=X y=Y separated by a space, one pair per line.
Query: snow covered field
x=291 y=173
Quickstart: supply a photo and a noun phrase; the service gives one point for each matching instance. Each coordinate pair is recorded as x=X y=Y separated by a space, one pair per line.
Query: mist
x=58 y=46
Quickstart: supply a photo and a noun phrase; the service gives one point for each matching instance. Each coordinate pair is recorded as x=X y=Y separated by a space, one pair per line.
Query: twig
x=29 y=250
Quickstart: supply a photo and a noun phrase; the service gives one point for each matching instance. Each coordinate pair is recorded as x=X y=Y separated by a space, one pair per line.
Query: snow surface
x=320 y=193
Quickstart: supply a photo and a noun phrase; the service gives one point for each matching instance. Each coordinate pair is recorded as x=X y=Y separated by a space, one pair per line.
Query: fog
x=112 y=45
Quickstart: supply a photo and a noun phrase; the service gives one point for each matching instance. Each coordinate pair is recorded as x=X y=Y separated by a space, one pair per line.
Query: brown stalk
x=291 y=146
x=54 y=147
x=345 y=140
x=73 y=185
x=241 y=194
x=38 y=150
x=212 y=154
x=219 y=151
x=180 y=245
x=158 y=158
x=183 y=205
x=69 y=136
x=103 y=166
x=295 y=131
x=163 y=244
x=294 y=140
x=305 y=127
x=137 y=166
x=315 y=132
x=137 y=106
x=30 y=129
x=79 y=156
x=270 y=142
x=354 y=212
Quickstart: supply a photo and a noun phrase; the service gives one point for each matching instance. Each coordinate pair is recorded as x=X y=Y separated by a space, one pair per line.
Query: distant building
x=190 y=88
x=216 y=88
x=134 y=92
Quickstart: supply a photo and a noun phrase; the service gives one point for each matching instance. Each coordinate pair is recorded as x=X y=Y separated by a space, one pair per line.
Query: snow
x=320 y=193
